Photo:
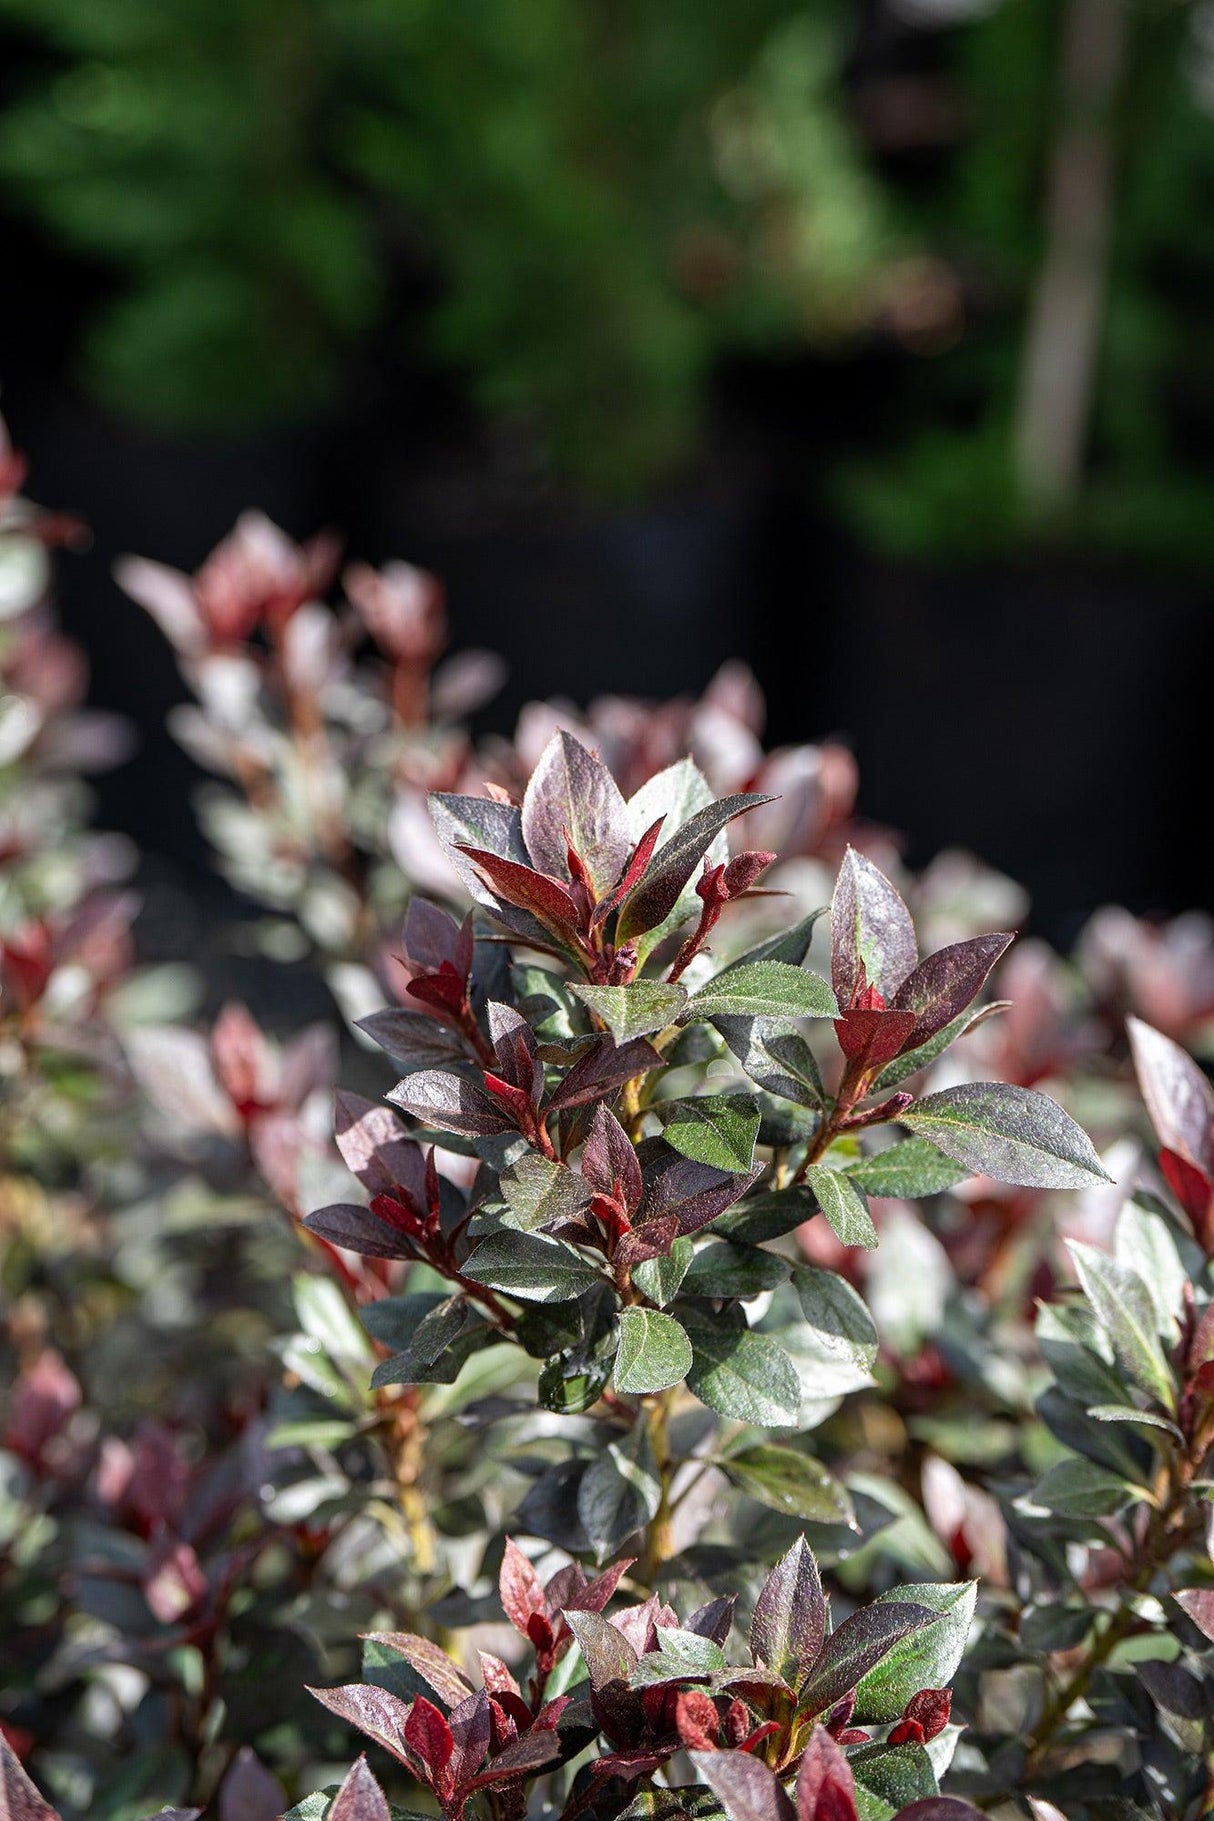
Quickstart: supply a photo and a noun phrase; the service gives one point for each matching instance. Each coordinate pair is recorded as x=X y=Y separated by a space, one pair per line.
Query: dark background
x=1039 y=698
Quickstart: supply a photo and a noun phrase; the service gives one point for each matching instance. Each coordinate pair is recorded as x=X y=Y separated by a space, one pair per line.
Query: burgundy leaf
x=19 y=1800
x=432 y=936
x=696 y=1720
x=826 y=1788
x=248 y=1791
x=451 y=1103
x=471 y=1730
x=1178 y=1097
x=657 y=892
x=572 y=800
x=515 y=1049
x=642 y=853
x=694 y=1193
x=651 y=1239
x=520 y=1589
x=629 y=1765
x=356 y=1229
x=870 y=1038
x=434 y=1666
x=552 y=903
x=714 y=1619
x=789 y=1620
x=609 y=1656
x=604 y=1068
x=609 y=1161
x=360 y=1798
x=859 y=1644
x=945 y=983
x=872 y=936
x=930 y=1709
x=429 y=1735
x=376 y=1148
x=1198 y=1603
x=375 y=1711
x=497 y=1676
x=532 y=1752
x=412 y=1039
x=596 y=1594
x=941 y=1808
x=744 y=1786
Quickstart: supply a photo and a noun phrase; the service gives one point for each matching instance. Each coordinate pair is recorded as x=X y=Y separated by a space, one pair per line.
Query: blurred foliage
x=602 y=196
x=581 y=205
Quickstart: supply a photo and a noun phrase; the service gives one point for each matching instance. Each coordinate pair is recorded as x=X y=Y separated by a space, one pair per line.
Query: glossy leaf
x=765 y=989
x=531 y=1267
x=636 y=1010
x=928 y=1658
x=653 y=1353
x=743 y=1375
x=946 y=983
x=1125 y=1310
x=451 y=1103
x=1010 y=1133
x=718 y=1130
x=859 y=1644
x=572 y=800
x=788 y=1625
x=844 y=1206
x=871 y=931
x=908 y=1169
x=789 y=1482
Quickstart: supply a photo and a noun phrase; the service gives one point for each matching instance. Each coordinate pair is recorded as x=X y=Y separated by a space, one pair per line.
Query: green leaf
x=1010 y=1133
x=679 y=1654
x=747 y=1376
x=791 y=945
x=326 y=1317
x=724 y=1269
x=789 y=1482
x=637 y=1009
x=1128 y=1413
x=427 y=1348
x=768 y=1216
x=836 y=1316
x=1079 y=1488
x=775 y=1056
x=843 y=1205
x=907 y=1170
x=1124 y=1309
x=890 y=1777
x=620 y=1490
x=765 y=989
x=857 y=1647
x=717 y=1129
x=537 y=1191
x=1143 y=1243
x=1074 y=1348
x=653 y=1354
x=531 y=1267
x=926 y=1659
x=659 y=1278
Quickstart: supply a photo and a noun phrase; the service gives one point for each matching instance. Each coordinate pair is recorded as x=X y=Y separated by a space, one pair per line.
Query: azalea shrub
x=710 y=1326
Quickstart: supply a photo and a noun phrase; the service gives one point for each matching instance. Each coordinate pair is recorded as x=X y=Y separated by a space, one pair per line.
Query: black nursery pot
x=1047 y=715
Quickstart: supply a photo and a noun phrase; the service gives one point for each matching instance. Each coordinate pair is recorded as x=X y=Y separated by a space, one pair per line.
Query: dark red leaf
x=657 y=892
x=696 y=1720
x=536 y=1749
x=360 y=1798
x=428 y=1734
x=930 y=1709
x=945 y=983
x=609 y=1161
x=356 y=1229
x=572 y=801
x=520 y=1589
x=641 y=855
x=19 y=1800
x=248 y=1791
x=744 y=1786
x=1178 y=1096
x=872 y=936
x=826 y=1788
x=451 y=1103
x=870 y=1039
x=547 y=899
x=602 y=1069
x=375 y=1711
x=789 y=1620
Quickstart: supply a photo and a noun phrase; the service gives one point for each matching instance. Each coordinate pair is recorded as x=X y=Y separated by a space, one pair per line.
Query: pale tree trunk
x=1062 y=344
